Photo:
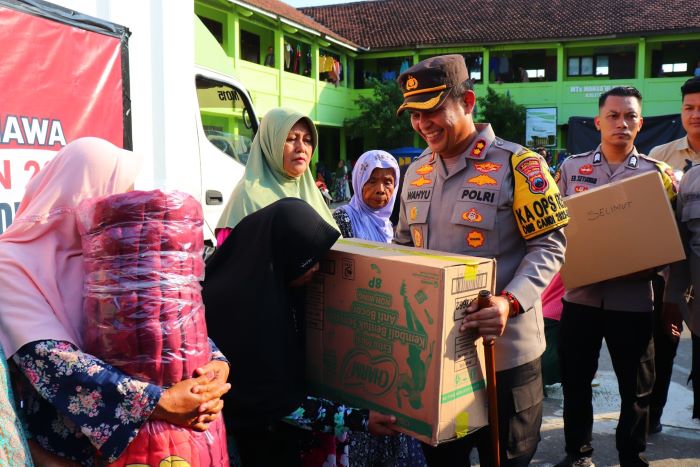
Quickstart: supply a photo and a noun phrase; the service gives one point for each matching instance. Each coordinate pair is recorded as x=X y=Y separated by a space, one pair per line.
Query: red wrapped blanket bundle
x=144 y=311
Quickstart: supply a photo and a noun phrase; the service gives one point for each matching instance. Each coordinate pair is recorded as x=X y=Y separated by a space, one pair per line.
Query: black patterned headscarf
x=250 y=310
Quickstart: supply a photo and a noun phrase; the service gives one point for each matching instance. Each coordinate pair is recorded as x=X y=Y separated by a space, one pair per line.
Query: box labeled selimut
x=619 y=228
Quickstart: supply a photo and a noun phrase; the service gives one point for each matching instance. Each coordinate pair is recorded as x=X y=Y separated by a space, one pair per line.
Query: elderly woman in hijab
x=255 y=309
x=367 y=217
x=278 y=167
x=75 y=404
x=367 y=214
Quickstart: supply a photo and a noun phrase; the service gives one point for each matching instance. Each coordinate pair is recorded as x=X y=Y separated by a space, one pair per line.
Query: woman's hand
x=43 y=458
x=379 y=424
x=220 y=369
x=211 y=409
x=180 y=403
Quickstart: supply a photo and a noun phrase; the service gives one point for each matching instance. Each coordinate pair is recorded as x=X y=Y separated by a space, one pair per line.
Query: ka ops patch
x=537 y=204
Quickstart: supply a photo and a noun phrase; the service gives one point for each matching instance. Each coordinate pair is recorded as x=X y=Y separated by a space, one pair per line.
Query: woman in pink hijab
x=74 y=404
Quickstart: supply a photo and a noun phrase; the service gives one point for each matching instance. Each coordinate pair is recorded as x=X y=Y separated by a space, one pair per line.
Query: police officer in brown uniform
x=619 y=310
x=687 y=273
x=475 y=194
x=680 y=154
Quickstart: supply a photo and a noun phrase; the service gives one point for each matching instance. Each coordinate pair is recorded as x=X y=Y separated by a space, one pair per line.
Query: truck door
x=228 y=126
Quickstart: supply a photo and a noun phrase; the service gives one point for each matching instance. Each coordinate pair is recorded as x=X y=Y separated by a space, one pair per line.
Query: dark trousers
x=664 y=352
x=629 y=339
x=695 y=376
x=520 y=395
x=278 y=444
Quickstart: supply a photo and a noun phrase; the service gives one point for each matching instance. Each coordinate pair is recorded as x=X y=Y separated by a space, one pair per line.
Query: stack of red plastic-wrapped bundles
x=144 y=311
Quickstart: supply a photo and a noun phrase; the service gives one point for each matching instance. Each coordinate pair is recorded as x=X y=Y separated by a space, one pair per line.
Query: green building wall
x=329 y=105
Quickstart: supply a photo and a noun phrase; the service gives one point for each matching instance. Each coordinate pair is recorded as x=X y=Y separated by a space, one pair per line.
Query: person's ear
x=596 y=121
x=469 y=101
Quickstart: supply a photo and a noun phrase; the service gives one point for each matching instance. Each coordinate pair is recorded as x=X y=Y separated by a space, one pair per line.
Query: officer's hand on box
x=490 y=321
x=672 y=320
x=379 y=424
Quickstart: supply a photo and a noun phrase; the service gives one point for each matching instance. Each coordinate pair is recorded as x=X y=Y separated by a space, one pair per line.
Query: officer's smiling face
x=447 y=129
x=619 y=120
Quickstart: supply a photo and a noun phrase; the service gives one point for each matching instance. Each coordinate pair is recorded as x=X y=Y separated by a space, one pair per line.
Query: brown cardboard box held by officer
x=382 y=333
x=619 y=229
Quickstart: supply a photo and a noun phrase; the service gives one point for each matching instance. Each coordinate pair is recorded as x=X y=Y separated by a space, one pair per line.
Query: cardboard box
x=382 y=330
x=619 y=228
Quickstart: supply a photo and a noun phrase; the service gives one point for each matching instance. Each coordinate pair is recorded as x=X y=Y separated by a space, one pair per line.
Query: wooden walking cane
x=483 y=301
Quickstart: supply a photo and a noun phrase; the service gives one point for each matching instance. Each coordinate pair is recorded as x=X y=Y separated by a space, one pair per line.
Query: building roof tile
x=284 y=10
x=389 y=24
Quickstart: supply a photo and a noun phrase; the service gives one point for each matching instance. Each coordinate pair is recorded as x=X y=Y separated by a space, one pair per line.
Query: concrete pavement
x=678 y=444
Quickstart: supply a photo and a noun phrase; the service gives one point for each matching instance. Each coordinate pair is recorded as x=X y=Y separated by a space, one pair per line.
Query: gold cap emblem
x=411 y=83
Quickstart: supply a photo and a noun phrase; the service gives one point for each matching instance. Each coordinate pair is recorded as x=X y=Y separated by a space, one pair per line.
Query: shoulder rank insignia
x=478 y=148
x=537 y=205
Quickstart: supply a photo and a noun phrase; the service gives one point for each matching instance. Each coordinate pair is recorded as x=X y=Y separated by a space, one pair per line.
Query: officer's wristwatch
x=515 y=308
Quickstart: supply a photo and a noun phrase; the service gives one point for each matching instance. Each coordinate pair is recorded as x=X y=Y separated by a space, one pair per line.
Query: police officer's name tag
x=537 y=204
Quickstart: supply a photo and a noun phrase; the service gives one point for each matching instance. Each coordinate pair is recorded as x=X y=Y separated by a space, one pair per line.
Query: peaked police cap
x=427 y=84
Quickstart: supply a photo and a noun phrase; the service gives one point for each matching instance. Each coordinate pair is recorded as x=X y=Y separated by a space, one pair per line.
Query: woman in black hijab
x=254 y=313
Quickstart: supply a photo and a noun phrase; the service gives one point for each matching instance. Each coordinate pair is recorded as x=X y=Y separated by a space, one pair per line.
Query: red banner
x=58 y=82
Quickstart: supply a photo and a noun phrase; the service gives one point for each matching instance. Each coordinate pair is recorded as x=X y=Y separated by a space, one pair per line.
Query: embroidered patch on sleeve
x=669 y=179
x=537 y=204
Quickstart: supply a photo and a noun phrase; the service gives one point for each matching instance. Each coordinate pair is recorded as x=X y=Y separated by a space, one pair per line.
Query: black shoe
x=655 y=428
x=568 y=461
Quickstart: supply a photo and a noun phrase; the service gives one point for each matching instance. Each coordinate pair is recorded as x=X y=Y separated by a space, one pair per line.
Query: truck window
x=226 y=118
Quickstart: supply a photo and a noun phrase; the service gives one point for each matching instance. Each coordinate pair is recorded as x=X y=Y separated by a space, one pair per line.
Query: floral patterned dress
x=13 y=445
x=76 y=405
x=330 y=423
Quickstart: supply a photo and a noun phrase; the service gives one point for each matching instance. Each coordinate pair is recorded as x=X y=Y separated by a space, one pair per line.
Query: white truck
x=128 y=71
